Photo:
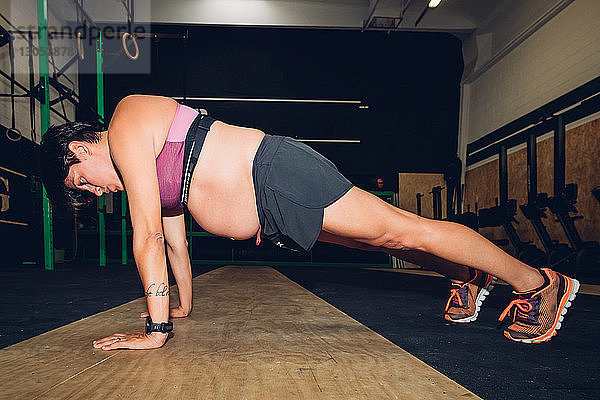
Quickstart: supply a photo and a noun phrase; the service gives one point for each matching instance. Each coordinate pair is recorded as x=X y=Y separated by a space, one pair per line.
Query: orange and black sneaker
x=536 y=315
x=466 y=298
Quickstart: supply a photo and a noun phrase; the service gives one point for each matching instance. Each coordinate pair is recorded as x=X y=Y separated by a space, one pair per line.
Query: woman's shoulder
x=140 y=110
x=142 y=117
x=144 y=100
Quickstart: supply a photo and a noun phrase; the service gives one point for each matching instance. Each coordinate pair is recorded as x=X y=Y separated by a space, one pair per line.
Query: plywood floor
x=253 y=334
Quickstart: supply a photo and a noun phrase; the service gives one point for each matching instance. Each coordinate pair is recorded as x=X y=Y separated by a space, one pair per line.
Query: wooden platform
x=253 y=334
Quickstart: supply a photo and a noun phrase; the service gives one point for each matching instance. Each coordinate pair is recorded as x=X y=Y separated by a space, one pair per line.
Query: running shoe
x=466 y=298
x=536 y=315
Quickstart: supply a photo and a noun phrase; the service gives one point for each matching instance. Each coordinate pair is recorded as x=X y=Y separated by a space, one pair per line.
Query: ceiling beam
x=370 y=14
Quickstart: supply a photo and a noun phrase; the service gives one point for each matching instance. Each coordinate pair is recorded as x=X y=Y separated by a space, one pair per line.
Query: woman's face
x=95 y=171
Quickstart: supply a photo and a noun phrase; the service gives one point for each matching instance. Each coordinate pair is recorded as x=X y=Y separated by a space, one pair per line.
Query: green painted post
x=100 y=96
x=123 y=228
x=44 y=70
x=100 y=78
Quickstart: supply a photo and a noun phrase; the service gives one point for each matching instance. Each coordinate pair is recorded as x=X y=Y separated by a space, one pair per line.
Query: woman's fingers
x=100 y=342
x=118 y=343
x=128 y=341
x=109 y=340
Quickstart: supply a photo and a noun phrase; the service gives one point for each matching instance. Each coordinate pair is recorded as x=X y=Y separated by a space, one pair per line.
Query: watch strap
x=162 y=327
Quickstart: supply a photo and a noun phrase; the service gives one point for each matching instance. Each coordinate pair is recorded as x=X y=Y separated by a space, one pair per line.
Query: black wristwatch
x=163 y=327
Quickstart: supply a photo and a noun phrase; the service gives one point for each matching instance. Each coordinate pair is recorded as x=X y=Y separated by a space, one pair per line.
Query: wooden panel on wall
x=582 y=167
x=409 y=184
x=481 y=191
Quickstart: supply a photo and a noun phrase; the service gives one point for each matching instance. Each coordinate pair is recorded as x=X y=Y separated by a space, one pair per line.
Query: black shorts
x=293 y=184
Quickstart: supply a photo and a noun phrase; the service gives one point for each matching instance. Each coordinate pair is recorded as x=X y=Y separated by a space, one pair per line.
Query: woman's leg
x=364 y=217
x=449 y=269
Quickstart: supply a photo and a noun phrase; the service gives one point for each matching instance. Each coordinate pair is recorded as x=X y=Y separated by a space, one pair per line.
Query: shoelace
x=524 y=309
x=456 y=296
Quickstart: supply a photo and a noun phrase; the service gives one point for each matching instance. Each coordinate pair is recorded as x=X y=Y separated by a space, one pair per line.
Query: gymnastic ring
x=126 y=36
x=80 y=48
x=17 y=134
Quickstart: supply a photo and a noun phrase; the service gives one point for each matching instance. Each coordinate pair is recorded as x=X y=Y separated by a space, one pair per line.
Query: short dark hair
x=56 y=158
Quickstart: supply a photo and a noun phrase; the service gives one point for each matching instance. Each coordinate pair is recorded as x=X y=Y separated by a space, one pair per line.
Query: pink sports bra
x=169 y=163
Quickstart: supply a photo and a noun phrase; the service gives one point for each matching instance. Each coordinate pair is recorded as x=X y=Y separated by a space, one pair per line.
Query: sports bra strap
x=193 y=145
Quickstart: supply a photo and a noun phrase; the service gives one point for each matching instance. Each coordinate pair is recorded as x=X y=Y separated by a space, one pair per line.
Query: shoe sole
x=478 y=302
x=566 y=302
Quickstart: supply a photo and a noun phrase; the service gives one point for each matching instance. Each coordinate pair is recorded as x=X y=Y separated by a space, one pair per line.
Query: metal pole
x=123 y=228
x=44 y=71
x=101 y=201
x=559 y=156
x=532 y=169
x=503 y=174
x=31 y=87
x=85 y=14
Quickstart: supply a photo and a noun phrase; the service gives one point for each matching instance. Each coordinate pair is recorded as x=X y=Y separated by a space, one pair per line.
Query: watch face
x=148 y=324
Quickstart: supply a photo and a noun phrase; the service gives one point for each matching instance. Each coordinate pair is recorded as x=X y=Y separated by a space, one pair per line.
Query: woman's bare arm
x=133 y=150
x=179 y=258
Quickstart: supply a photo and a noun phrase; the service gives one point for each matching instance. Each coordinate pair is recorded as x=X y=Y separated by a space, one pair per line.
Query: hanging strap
x=12 y=133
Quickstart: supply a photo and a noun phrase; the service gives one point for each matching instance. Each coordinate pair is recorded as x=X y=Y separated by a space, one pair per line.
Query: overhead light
x=434 y=3
x=385 y=22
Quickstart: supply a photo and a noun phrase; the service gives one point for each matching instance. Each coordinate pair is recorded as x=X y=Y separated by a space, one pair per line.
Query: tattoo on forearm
x=159 y=290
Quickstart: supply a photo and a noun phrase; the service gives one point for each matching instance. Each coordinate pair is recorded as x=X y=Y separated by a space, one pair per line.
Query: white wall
x=23 y=14
x=514 y=19
x=558 y=56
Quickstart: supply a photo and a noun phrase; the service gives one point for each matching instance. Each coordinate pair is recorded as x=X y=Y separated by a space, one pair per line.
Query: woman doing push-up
x=241 y=183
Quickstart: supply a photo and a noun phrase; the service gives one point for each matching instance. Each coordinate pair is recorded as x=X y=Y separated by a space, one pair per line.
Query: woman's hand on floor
x=177 y=312
x=137 y=341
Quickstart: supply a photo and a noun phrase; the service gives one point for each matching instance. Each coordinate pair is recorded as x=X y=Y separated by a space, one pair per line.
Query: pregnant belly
x=222 y=197
x=223 y=211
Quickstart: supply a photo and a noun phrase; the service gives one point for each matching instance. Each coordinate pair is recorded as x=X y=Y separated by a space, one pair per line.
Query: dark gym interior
x=489 y=118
